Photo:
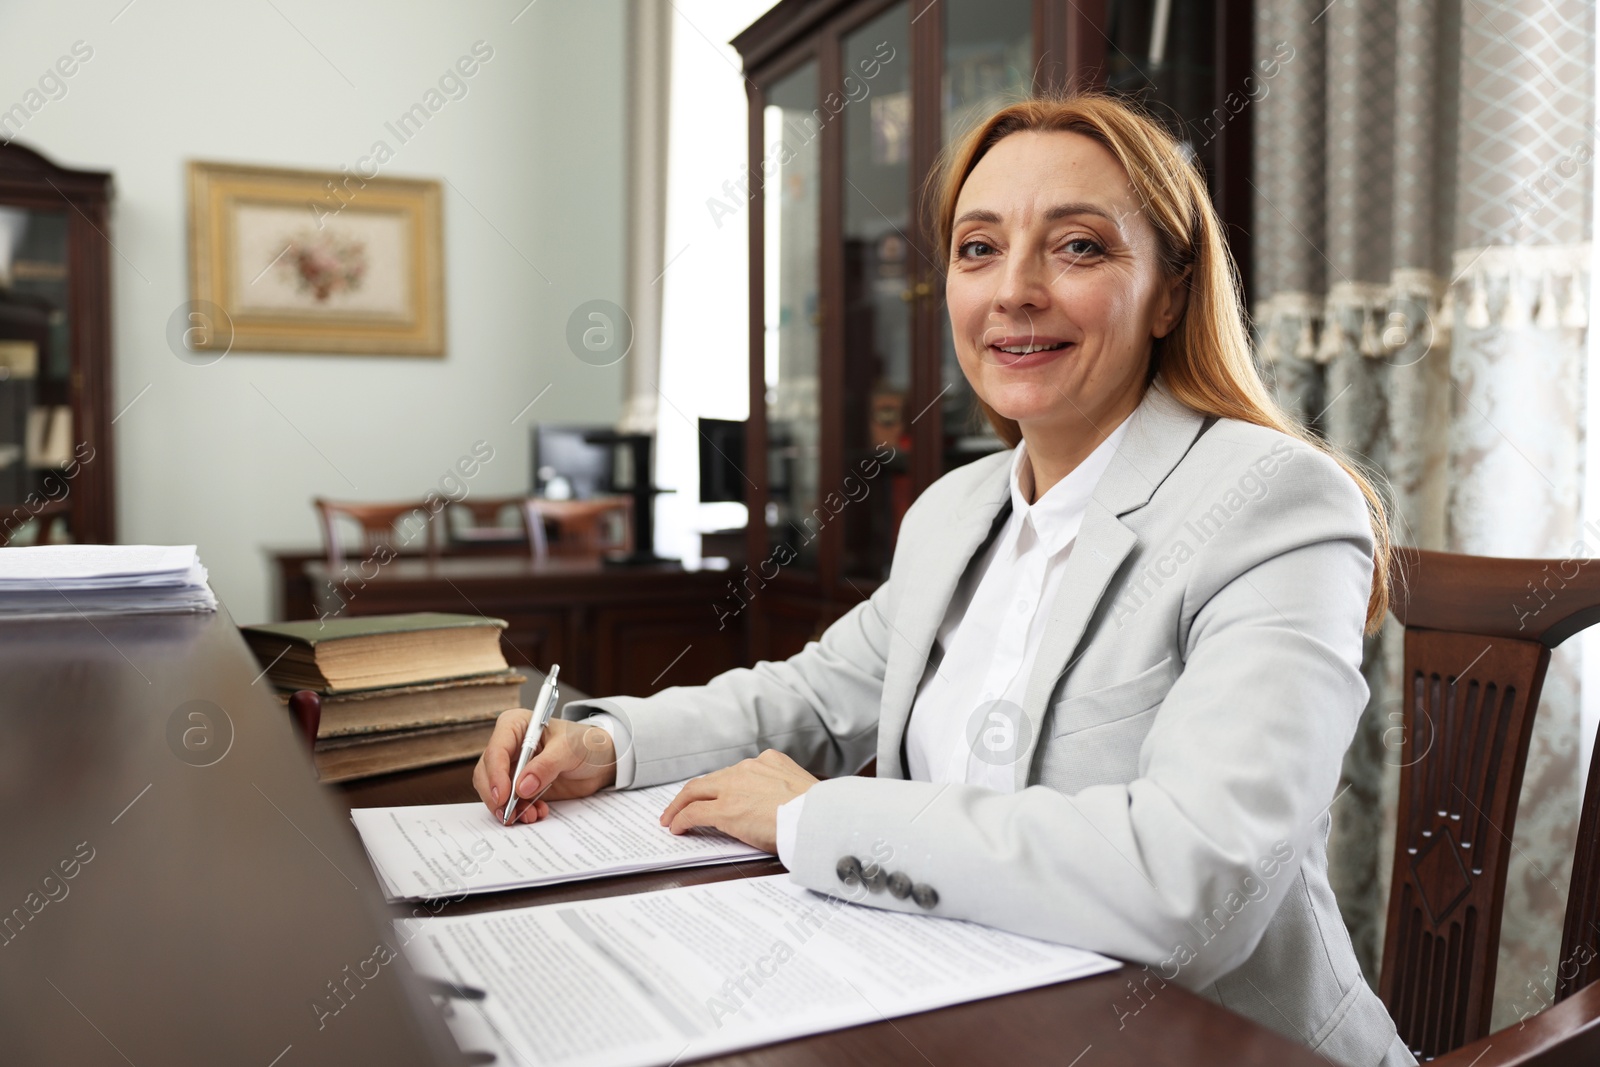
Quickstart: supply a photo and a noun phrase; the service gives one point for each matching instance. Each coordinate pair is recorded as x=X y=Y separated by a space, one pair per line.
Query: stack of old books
x=398 y=691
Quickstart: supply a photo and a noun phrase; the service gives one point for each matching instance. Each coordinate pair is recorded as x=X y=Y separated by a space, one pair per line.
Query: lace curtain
x=1423 y=183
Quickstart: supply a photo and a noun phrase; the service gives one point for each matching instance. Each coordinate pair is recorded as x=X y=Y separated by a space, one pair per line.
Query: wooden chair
x=377 y=523
x=1478 y=635
x=581 y=525
x=484 y=527
x=1564 y=1035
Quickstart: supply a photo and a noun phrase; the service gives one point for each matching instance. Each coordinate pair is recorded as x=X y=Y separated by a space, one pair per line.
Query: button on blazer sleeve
x=820 y=706
x=1234 y=775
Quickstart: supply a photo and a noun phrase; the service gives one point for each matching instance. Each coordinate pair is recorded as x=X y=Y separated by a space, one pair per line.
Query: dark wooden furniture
x=857 y=400
x=379 y=524
x=593 y=528
x=614 y=630
x=565 y=528
x=485 y=527
x=215 y=893
x=294 y=598
x=292 y=594
x=1580 y=938
x=1565 y=1035
x=724 y=544
x=1478 y=637
x=58 y=299
x=1121 y=1019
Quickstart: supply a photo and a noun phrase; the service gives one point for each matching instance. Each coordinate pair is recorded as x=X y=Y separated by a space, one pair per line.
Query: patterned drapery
x=1423 y=184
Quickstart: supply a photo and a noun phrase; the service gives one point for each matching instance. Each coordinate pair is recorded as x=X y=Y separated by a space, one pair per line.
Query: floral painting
x=353 y=267
x=304 y=262
x=323 y=264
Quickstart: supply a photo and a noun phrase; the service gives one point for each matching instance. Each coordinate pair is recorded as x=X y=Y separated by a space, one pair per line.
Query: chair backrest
x=1564 y=1035
x=378 y=524
x=485 y=514
x=1580 y=940
x=1478 y=635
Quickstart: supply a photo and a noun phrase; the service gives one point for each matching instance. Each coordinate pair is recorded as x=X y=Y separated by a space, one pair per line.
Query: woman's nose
x=1025 y=284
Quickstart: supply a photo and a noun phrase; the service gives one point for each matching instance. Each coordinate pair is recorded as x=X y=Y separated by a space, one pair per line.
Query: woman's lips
x=1021 y=361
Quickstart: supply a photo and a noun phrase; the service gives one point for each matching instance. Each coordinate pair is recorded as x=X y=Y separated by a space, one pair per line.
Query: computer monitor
x=560 y=451
x=721 y=461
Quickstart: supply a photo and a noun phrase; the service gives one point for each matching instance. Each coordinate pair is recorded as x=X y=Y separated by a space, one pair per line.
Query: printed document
x=674 y=975
x=438 y=850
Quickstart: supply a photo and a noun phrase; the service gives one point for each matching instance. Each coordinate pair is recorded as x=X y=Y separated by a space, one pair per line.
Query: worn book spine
x=413 y=706
x=364 y=755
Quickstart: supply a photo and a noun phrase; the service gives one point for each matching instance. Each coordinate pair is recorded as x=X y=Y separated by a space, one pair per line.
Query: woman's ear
x=1174 y=298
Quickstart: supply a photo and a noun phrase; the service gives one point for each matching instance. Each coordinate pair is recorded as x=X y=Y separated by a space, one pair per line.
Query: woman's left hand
x=742 y=801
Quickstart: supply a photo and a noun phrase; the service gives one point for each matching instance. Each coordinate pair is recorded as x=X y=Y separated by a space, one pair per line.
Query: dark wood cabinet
x=628 y=631
x=641 y=649
x=857 y=402
x=56 y=470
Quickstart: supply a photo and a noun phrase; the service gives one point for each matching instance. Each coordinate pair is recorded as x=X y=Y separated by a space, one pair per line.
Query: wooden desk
x=294 y=597
x=1052 y=1025
x=614 y=630
x=576 y=533
x=217 y=901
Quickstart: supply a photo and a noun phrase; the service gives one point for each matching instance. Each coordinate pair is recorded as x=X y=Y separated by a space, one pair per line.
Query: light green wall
x=533 y=159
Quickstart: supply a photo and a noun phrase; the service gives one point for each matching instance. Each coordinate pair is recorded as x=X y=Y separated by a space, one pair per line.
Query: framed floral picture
x=302 y=261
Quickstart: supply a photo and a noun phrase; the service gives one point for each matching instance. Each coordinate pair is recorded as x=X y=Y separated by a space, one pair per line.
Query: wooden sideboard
x=614 y=630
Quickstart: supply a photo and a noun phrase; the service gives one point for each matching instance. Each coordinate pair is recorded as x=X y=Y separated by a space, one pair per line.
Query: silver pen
x=549 y=693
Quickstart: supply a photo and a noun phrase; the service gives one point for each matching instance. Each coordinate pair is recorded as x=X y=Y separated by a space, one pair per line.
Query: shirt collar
x=1056 y=516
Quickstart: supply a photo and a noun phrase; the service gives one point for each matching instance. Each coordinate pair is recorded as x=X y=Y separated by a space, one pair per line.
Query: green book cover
x=313 y=632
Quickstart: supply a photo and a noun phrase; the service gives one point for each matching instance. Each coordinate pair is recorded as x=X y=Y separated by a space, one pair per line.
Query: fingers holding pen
x=573 y=760
x=491 y=778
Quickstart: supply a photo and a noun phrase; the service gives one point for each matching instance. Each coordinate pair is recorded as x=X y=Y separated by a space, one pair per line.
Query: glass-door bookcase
x=857 y=402
x=56 y=475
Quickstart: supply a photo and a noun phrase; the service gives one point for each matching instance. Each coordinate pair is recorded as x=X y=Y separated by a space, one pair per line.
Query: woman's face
x=1055 y=285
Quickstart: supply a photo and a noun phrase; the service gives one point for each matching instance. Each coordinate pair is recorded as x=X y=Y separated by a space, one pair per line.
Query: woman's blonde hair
x=1205 y=359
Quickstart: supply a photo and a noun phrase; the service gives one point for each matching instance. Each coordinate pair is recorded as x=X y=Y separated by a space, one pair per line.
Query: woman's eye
x=974 y=250
x=1079 y=247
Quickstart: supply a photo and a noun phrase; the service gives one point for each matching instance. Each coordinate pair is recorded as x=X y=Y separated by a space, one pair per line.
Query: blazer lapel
x=1159 y=435
x=922 y=608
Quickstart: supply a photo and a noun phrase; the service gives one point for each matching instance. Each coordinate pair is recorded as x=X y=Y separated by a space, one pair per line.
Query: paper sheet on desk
x=678 y=974
x=437 y=850
x=48 y=567
x=55 y=581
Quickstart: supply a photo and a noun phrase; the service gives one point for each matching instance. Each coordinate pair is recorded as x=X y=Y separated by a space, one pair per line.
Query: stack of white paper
x=50 y=581
x=438 y=850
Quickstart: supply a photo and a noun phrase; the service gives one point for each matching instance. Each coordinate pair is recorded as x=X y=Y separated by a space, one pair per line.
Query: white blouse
x=964 y=718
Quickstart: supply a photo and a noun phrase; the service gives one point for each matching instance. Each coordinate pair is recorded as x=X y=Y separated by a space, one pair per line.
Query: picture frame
x=305 y=261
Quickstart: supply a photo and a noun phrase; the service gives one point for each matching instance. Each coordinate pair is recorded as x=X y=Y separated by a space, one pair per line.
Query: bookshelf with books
x=57 y=477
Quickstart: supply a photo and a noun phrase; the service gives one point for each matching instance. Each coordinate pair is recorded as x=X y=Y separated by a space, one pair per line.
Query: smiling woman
x=1111 y=230
x=1097 y=719
x=1056 y=290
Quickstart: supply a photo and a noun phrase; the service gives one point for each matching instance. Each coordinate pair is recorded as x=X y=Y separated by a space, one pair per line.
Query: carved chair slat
x=1478 y=637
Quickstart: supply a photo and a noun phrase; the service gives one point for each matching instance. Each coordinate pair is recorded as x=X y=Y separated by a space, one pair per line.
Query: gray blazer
x=1176 y=752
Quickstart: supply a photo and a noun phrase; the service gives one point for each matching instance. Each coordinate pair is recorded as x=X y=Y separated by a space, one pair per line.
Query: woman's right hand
x=574 y=760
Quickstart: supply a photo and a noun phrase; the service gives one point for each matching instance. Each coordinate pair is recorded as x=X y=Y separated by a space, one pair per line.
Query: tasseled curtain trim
x=1508 y=286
